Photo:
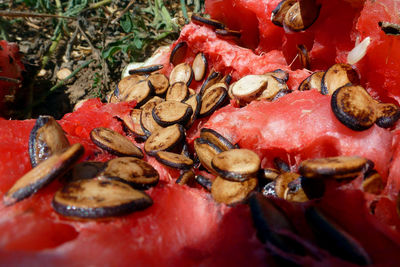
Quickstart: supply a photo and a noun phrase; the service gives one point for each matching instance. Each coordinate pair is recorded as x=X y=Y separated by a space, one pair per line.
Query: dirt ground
x=84 y=38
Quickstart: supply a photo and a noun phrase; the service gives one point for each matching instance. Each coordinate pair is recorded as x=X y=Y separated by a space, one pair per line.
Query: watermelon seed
x=389 y=28
x=44 y=173
x=86 y=170
x=164 y=139
x=356 y=109
x=174 y=160
x=282 y=183
x=228 y=34
x=204 y=182
x=147 y=122
x=140 y=92
x=312 y=82
x=178 y=92
x=341 y=167
x=114 y=142
x=279 y=12
x=212 y=99
x=212 y=79
x=170 y=112
x=338 y=75
x=206 y=151
x=195 y=102
x=281 y=165
x=181 y=73
x=146 y=69
x=46 y=138
x=304 y=58
x=126 y=84
x=249 y=87
x=229 y=192
x=301 y=15
x=186 y=178
x=135 y=172
x=294 y=191
x=217 y=139
x=236 y=165
x=131 y=122
x=372 y=182
x=199 y=66
x=92 y=199
x=206 y=21
x=158 y=83
x=333 y=238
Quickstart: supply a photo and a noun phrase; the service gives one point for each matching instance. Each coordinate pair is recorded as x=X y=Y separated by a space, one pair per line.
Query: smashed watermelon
x=10 y=67
x=185 y=227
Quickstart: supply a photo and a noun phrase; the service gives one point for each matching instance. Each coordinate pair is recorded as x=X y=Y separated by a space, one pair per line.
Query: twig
x=17 y=14
x=11 y=80
x=123 y=12
x=58 y=85
x=104 y=65
x=184 y=11
x=62 y=82
x=99 y=4
x=69 y=45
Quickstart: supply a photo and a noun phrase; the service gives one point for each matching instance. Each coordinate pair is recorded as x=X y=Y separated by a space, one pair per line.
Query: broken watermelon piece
x=10 y=67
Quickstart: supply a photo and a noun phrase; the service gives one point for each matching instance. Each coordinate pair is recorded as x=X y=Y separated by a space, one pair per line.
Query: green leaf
x=137 y=42
x=126 y=23
x=107 y=54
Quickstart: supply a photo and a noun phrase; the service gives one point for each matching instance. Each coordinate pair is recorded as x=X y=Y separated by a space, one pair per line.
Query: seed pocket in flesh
x=92 y=199
x=114 y=142
x=178 y=53
x=46 y=138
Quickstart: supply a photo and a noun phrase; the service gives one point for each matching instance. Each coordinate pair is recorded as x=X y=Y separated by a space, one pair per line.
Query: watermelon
x=185 y=226
x=10 y=67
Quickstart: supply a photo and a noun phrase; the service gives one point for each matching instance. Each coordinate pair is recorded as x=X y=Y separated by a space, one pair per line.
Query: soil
x=34 y=37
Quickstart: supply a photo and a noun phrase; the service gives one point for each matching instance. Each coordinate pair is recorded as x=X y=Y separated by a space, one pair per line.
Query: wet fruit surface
x=293 y=128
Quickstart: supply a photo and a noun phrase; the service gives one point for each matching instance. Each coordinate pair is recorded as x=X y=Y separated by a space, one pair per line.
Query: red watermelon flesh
x=10 y=67
x=380 y=68
x=184 y=226
x=299 y=126
x=228 y=57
